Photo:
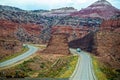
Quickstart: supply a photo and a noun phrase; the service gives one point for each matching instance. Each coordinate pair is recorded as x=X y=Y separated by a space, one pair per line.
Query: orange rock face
x=58 y=45
x=9 y=27
x=111 y=25
x=107 y=42
x=74 y=33
x=108 y=47
x=8 y=43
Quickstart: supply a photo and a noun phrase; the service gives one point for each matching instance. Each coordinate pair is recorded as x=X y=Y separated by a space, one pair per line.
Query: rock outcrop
x=107 y=44
x=24 y=32
x=111 y=25
x=58 y=45
x=85 y=43
x=73 y=33
x=65 y=11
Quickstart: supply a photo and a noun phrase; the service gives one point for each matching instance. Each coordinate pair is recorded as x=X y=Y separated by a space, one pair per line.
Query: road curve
x=84 y=69
x=31 y=50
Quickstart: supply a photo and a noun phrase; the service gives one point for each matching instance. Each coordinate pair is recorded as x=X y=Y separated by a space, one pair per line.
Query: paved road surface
x=84 y=70
x=32 y=50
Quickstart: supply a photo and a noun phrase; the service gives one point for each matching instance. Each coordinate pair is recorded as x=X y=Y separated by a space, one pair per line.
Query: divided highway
x=31 y=50
x=84 y=69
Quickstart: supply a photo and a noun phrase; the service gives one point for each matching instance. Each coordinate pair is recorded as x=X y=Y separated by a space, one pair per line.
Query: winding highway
x=84 y=69
x=31 y=51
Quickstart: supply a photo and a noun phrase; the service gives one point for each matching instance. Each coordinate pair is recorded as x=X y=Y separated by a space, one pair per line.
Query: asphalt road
x=31 y=50
x=84 y=69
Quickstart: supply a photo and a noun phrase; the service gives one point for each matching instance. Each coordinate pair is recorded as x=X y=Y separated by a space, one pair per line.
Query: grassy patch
x=15 y=54
x=60 y=67
x=71 y=67
x=97 y=68
x=104 y=72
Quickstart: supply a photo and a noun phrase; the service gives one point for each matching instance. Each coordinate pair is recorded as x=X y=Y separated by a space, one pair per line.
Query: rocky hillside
x=40 y=22
x=107 y=44
x=38 y=26
x=8 y=8
x=23 y=32
x=101 y=8
x=8 y=46
x=36 y=17
x=111 y=25
x=65 y=11
x=58 y=44
x=73 y=32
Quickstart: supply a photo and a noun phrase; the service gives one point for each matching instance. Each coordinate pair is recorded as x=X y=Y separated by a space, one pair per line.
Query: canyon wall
x=107 y=43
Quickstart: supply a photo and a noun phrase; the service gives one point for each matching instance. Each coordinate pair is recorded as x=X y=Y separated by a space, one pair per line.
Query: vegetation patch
x=42 y=67
x=70 y=69
x=24 y=49
x=104 y=72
